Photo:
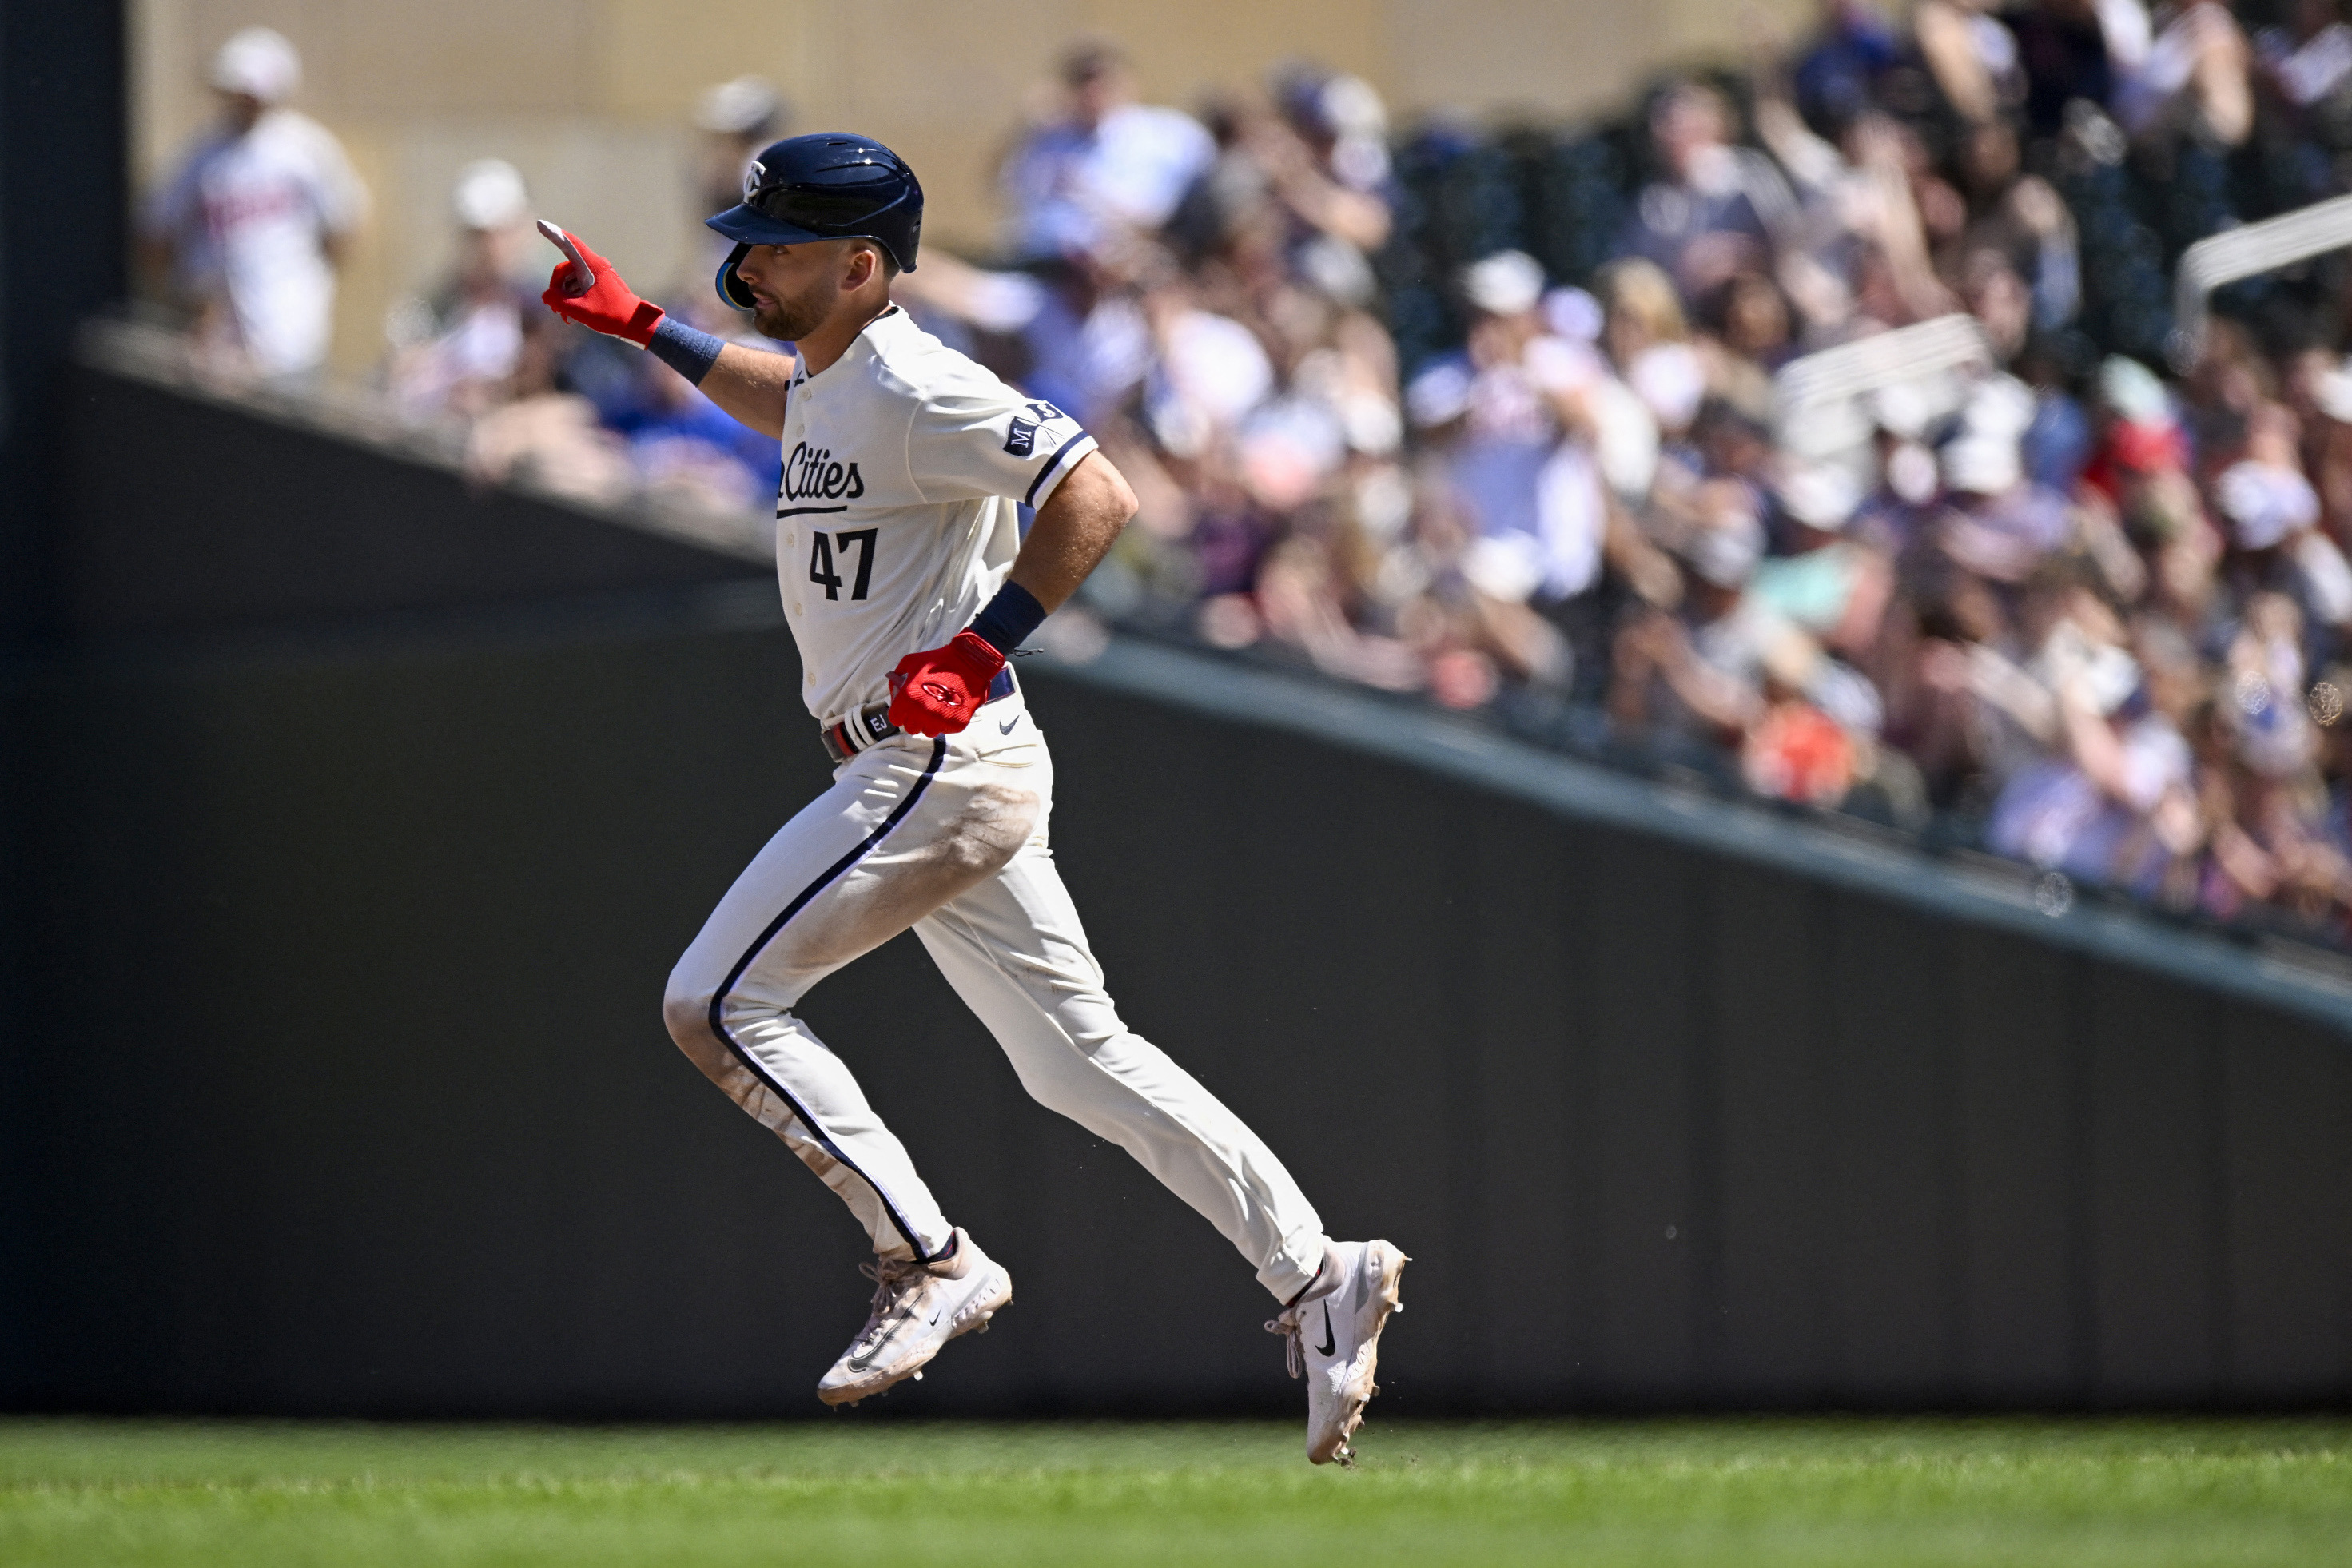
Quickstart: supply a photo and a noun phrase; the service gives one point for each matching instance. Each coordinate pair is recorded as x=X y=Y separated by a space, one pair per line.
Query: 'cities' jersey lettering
x=905 y=465
x=815 y=475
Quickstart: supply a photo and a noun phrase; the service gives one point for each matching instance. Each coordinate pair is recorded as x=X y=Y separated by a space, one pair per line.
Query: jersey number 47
x=821 y=560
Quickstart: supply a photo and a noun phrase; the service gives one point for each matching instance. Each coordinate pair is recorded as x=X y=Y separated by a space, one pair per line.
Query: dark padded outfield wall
x=64 y=251
x=351 y=890
x=191 y=512
x=354 y=1096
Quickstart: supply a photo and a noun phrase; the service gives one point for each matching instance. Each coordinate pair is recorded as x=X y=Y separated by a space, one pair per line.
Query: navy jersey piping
x=1047 y=472
x=800 y=900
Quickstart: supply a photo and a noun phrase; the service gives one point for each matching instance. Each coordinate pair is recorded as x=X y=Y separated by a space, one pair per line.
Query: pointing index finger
x=583 y=277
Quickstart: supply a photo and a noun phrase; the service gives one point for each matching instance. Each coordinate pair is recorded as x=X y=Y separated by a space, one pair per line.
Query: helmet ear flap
x=731 y=288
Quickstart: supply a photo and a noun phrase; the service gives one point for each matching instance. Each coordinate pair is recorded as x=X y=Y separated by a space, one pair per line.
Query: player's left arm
x=936 y=693
x=1073 y=531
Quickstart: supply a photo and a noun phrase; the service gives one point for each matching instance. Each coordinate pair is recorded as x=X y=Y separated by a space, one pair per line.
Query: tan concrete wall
x=589 y=98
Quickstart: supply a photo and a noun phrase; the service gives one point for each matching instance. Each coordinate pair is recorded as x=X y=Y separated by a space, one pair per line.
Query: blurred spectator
x=736 y=119
x=1101 y=164
x=457 y=351
x=1716 y=208
x=250 y=227
x=1397 y=410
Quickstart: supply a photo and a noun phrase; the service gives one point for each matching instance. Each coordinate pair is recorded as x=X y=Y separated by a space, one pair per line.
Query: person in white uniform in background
x=907 y=584
x=251 y=226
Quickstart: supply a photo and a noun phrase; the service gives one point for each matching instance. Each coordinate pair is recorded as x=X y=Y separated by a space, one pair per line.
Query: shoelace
x=891 y=1276
x=1294 y=1349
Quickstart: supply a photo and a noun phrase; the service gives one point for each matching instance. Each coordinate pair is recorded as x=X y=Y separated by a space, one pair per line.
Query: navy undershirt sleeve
x=1009 y=619
x=690 y=353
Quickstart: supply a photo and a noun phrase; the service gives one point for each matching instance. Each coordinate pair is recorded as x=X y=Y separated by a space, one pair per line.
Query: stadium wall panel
x=360 y=814
x=195 y=511
x=352 y=1094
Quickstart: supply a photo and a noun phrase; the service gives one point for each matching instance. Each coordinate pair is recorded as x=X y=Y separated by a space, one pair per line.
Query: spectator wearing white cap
x=1998 y=523
x=1835 y=587
x=739 y=117
x=2272 y=512
x=251 y=226
x=736 y=119
x=457 y=352
x=1519 y=416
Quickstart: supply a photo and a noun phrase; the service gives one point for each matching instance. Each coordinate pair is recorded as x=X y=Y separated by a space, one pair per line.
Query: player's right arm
x=749 y=383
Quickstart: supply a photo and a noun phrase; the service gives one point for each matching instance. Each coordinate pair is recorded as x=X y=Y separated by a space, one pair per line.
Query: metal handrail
x=2245 y=252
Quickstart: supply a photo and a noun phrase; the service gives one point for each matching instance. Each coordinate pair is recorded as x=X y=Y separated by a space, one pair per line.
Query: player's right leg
x=902 y=829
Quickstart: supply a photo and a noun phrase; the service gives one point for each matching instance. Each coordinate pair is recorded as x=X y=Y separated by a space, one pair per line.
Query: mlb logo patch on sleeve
x=1023 y=439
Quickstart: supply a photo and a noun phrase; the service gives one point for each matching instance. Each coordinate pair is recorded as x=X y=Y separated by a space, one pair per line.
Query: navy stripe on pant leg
x=718 y=1001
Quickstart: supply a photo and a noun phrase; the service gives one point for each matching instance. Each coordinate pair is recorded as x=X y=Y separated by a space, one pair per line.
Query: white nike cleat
x=1335 y=1339
x=918 y=1308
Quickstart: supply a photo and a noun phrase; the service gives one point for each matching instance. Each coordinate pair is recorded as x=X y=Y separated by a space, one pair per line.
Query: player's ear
x=858 y=264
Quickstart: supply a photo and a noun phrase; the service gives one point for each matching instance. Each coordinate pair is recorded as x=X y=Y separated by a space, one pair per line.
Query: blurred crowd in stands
x=1499 y=418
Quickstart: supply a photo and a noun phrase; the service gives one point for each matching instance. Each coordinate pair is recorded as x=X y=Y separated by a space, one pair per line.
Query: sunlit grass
x=1747 y=1492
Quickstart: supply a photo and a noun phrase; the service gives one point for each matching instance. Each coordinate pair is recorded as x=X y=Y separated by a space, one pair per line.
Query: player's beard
x=790 y=320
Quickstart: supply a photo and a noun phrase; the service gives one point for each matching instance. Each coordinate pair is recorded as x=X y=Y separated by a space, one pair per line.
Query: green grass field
x=1874 y=1492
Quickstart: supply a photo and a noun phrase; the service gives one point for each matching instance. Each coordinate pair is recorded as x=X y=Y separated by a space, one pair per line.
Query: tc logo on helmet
x=752 y=176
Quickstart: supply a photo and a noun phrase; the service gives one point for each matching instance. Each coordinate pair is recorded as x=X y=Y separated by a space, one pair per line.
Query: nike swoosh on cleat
x=861 y=1364
x=1331 y=1341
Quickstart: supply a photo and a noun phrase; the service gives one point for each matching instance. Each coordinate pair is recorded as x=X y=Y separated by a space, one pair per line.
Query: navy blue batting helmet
x=827 y=185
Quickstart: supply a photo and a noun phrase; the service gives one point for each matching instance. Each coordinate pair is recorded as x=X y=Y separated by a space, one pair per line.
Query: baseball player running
x=906 y=583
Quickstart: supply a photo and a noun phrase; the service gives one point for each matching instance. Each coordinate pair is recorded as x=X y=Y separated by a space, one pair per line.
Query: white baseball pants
x=948 y=837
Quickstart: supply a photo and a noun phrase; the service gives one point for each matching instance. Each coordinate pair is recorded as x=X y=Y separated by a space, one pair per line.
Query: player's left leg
x=1013 y=949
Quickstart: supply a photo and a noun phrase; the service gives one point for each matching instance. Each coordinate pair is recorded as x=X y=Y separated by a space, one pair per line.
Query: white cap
x=2132 y=390
x=739 y=108
x=1672 y=380
x=259 y=63
x=1507 y=567
x=1726 y=553
x=1904 y=409
x=2000 y=406
x=1822 y=495
x=1504 y=283
x=1982 y=464
x=1911 y=473
x=489 y=194
x=2264 y=503
x=1440 y=394
x=1353 y=106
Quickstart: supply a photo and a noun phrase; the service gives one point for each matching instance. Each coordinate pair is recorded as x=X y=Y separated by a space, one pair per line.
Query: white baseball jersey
x=896 y=521
x=247 y=216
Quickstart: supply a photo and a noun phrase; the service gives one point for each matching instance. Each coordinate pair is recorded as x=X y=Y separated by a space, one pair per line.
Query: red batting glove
x=936 y=693
x=608 y=306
